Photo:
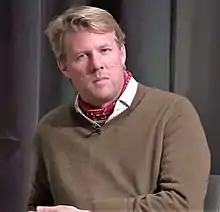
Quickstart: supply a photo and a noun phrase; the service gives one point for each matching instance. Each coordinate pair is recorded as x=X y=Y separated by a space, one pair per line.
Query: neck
x=96 y=104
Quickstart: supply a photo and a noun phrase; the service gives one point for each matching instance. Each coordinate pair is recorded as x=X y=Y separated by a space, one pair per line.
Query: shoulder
x=167 y=102
x=156 y=94
x=53 y=121
x=57 y=116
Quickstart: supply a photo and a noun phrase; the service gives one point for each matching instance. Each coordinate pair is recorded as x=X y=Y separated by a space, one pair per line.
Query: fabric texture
x=152 y=157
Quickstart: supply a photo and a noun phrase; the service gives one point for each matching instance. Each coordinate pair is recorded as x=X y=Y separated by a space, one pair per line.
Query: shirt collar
x=127 y=96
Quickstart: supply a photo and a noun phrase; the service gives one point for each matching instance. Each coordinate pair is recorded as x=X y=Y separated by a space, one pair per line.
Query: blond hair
x=77 y=19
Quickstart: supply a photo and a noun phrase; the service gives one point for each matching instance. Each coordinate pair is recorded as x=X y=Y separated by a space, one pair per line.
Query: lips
x=100 y=79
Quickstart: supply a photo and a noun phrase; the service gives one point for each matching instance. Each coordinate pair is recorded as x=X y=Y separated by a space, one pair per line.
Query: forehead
x=85 y=40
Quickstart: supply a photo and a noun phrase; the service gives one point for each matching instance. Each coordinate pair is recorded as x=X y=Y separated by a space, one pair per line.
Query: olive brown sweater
x=152 y=157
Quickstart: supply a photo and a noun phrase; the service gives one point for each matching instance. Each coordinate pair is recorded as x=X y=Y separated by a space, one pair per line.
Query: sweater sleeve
x=40 y=189
x=184 y=168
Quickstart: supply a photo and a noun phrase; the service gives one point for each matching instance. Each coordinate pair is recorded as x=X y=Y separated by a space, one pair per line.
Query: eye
x=81 y=57
x=105 y=50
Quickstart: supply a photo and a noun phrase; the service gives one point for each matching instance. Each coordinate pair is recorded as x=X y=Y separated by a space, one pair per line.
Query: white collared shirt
x=121 y=105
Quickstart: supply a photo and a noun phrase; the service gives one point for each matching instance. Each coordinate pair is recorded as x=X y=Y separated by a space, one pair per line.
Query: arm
x=40 y=192
x=185 y=166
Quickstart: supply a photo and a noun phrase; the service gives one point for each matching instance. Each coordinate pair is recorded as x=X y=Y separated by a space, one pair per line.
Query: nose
x=96 y=62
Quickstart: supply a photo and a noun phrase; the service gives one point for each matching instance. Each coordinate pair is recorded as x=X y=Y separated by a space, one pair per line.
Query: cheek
x=81 y=79
x=114 y=62
x=76 y=76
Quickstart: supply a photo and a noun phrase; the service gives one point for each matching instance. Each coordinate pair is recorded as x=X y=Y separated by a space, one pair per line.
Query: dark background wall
x=172 y=45
x=197 y=64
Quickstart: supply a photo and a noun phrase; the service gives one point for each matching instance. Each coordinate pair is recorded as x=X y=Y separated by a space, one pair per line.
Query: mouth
x=99 y=79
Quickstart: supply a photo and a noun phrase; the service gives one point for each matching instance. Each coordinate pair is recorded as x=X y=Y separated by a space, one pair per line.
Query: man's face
x=94 y=62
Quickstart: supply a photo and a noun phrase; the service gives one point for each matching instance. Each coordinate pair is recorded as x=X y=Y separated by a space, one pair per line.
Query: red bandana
x=102 y=113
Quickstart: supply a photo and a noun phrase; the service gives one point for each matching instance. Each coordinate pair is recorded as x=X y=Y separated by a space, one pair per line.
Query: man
x=120 y=146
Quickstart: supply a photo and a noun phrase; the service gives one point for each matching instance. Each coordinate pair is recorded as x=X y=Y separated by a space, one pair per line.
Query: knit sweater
x=153 y=157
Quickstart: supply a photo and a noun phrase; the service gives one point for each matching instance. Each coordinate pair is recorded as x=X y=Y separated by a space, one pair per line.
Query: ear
x=63 y=69
x=123 y=53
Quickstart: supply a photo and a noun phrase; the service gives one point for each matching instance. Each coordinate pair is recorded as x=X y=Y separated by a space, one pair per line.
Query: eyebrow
x=104 y=45
x=86 y=51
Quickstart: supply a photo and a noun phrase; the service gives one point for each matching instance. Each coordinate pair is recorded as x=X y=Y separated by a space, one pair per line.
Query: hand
x=59 y=208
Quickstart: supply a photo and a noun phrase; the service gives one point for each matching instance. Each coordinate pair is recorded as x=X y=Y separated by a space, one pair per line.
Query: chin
x=104 y=97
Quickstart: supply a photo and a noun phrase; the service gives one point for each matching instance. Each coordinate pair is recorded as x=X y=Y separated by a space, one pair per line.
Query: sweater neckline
x=83 y=122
